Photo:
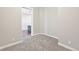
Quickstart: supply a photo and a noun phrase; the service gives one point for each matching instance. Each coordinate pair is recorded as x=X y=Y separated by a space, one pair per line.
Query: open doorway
x=27 y=17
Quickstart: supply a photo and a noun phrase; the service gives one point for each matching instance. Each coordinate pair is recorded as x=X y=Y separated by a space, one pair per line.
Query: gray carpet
x=37 y=43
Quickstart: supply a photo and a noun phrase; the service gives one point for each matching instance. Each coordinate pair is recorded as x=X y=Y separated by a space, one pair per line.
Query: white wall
x=51 y=20
x=64 y=23
x=10 y=25
x=38 y=20
x=68 y=25
x=35 y=20
x=41 y=19
x=59 y=22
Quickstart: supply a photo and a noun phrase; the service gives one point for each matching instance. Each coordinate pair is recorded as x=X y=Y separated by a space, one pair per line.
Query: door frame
x=31 y=8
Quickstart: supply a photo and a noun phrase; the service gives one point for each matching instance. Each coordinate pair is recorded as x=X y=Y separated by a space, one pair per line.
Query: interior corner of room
x=61 y=23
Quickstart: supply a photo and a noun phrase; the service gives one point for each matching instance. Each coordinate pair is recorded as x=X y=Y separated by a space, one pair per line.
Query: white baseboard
x=46 y=35
x=9 y=45
x=68 y=47
x=63 y=45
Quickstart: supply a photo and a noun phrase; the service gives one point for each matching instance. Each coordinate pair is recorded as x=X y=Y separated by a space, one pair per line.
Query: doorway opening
x=27 y=23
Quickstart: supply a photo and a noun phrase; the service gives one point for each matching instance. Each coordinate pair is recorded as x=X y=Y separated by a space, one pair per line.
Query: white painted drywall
x=38 y=19
x=35 y=20
x=51 y=20
x=10 y=25
x=60 y=22
x=68 y=25
x=64 y=23
x=41 y=19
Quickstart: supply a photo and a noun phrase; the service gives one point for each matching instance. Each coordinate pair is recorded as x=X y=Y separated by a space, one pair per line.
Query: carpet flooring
x=36 y=44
